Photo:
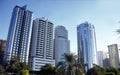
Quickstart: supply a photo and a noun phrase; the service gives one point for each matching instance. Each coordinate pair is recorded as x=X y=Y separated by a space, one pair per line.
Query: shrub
x=24 y=72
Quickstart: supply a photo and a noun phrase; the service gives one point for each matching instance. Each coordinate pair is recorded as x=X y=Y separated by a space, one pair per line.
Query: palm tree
x=118 y=31
x=79 y=68
x=70 y=66
x=14 y=66
x=61 y=68
x=70 y=60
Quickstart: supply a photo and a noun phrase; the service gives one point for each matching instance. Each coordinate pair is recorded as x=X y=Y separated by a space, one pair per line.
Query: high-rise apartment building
x=100 y=58
x=19 y=34
x=41 y=44
x=106 y=62
x=2 y=49
x=61 y=43
x=86 y=45
x=113 y=55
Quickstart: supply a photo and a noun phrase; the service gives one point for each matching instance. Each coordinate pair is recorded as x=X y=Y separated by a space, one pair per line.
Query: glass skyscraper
x=61 y=43
x=86 y=45
x=19 y=33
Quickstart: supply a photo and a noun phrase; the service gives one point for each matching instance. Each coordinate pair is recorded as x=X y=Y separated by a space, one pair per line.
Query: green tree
x=24 y=66
x=70 y=61
x=79 y=68
x=114 y=70
x=1 y=69
x=96 y=70
x=24 y=72
x=16 y=66
x=70 y=66
x=48 y=69
x=61 y=68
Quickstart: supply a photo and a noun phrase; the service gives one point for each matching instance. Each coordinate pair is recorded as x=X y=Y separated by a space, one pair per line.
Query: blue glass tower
x=19 y=33
x=86 y=45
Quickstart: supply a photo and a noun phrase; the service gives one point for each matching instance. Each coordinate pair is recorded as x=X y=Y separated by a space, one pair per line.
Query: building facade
x=113 y=55
x=61 y=43
x=41 y=44
x=103 y=59
x=106 y=61
x=86 y=45
x=19 y=34
x=100 y=58
x=2 y=49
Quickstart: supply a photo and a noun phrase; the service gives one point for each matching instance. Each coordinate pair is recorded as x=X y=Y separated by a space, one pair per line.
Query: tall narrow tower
x=61 y=43
x=2 y=49
x=113 y=55
x=19 y=33
x=86 y=45
x=41 y=44
x=100 y=58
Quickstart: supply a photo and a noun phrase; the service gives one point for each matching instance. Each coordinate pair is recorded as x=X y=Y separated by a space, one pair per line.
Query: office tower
x=2 y=49
x=100 y=58
x=19 y=34
x=86 y=45
x=113 y=55
x=61 y=43
x=103 y=59
x=41 y=44
x=119 y=53
x=106 y=62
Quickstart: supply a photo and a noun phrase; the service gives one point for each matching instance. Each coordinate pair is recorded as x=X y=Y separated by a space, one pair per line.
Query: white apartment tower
x=41 y=44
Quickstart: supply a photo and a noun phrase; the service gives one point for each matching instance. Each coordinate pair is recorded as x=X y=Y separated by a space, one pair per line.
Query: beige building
x=113 y=55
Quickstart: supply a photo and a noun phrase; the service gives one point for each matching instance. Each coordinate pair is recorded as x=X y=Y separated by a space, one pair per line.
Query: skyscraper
x=100 y=58
x=103 y=59
x=86 y=45
x=19 y=33
x=41 y=44
x=106 y=62
x=113 y=55
x=2 y=49
x=61 y=43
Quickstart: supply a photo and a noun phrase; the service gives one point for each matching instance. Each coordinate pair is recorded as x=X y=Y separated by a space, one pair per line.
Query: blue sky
x=103 y=14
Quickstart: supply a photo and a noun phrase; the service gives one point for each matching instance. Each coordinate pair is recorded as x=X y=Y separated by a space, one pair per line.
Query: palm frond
x=118 y=31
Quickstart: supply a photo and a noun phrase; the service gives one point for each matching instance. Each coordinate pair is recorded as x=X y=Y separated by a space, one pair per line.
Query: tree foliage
x=16 y=66
x=114 y=70
x=96 y=70
x=70 y=65
x=1 y=69
x=24 y=72
x=48 y=69
x=24 y=66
